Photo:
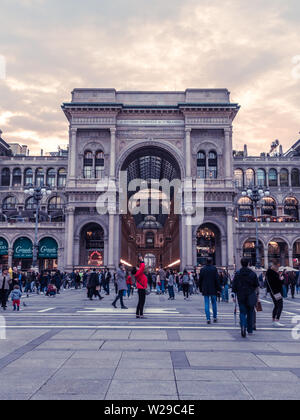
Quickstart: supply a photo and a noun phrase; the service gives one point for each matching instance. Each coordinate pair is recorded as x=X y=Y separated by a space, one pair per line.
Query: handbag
x=278 y=296
x=147 y=292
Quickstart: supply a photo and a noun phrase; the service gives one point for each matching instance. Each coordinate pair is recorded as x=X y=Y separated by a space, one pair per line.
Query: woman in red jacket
x=141 y=284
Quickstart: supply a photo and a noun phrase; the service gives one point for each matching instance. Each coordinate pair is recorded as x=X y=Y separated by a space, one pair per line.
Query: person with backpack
x=185 y=284
x=210 y=287
x=274 y=285
x=245 y=285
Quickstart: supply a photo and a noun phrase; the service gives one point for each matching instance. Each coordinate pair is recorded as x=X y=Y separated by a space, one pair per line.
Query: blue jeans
x=128 y=289
x=284 y=291
x=246 y=317
x=163 y=289
x=213 y=300
x=171 y=292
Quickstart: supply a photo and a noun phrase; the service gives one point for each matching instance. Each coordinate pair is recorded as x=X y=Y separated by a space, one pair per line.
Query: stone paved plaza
x=70 y=348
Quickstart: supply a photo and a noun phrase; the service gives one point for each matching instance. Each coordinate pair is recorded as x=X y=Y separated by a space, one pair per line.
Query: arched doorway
x=249 y=252
x=278 y=250
x=23 y=253
x=209 y=244
x=151 y=225
x=92 y=246
x=3 y=254
x=48 y=254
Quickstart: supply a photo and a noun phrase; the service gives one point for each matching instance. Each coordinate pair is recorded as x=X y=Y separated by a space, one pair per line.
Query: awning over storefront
x=3 y=246
x=23 y=248
x=48 y=248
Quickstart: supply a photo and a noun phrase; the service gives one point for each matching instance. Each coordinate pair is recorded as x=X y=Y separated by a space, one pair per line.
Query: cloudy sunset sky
x=52 y=46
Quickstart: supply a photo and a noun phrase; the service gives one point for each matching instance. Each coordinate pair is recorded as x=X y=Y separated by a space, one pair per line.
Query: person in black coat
x=245 y=285
x=210 y=287
x=274 y=287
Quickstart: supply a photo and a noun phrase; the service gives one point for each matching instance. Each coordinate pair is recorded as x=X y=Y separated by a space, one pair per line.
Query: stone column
x=195 y=249
x=70 y=212
x=72 y=153
x=22 y=176
x=230 y=252
x=223 y=251
x=290 y=257
x=188 y=152
x=228 y=152
x=10 y=257
x=111 y=241
x=266 y=257
x=112 y=152
x=189 y=246
x=290 y=177
x=105 y=251
x=183 y=243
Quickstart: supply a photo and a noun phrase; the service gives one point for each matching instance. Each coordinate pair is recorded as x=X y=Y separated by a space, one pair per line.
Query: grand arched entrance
x=151 y=225
x=92 y=245
x=209 y=244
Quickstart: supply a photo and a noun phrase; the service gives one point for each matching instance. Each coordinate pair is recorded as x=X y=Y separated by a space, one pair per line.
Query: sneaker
x=243 y=332
x=215 y=320
x=114 y=305
x=277 y=324
x=208 y=322
x=124 y=307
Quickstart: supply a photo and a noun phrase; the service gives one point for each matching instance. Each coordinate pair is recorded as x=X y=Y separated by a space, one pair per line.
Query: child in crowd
x=16 y=295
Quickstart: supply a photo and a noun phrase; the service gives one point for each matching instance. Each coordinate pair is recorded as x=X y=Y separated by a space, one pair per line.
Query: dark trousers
x=186 y=288
x=171 y=292
x=120 y=296
x=4 y=297
x=141 y=304
x=278 y=307
x=246 y=317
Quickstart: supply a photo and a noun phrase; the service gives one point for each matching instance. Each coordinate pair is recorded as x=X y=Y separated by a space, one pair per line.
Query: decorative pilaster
x=188 y=152
x=112 y=152
x=72 y=153
x=230 y=252
x=228 y=152
x=70 y=213
x=10 y=257
x=111 y=241
x=290 y=257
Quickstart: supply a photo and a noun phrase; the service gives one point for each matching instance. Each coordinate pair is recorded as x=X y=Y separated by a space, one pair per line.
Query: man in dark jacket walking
x=245 y=284
x=209 y=287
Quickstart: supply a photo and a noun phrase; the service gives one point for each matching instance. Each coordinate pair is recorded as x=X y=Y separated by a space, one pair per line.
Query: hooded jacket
x=244 y=285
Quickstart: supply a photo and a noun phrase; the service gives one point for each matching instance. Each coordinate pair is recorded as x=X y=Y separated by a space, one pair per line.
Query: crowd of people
x=212 y=283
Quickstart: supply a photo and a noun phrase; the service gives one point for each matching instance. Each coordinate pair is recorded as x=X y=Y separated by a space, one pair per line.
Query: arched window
x=17 y=177
x=28 y=177
x=201 y=165
x=88 y=165
x=99 y=164
x=61 y=178
x=250 y=177
x=5 y=177
x=212 y=165
x=295 y=178
x=261 y=178
x=291 y=208
x=268 y=207
x=30 y=203
x=55 y=208
x=9 y=203
x=284 y=178
x=273 y=178
x=245 y=210
x=39 y=177
x=51 y=175
x=239 y=178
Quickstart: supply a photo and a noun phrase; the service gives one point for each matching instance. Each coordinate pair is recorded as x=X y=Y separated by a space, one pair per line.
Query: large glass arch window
x=239 y=178
x=30 y=204
x=17 y=177
x=250 y=177
x=62 y=178
x=28 y=177
x=55 y=208
x=39 y=177
x=88 y=165
x=99 y=164
x=273 y=178
x=295 y=178
x=261 y=178
x=5 y=177
x=9 y=203
x=284 y=178
x=268 y=207
x=201 y=165
x=51 y=176
x=212 y=165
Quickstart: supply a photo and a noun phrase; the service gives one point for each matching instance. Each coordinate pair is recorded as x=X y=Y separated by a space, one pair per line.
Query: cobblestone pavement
x=70 y=348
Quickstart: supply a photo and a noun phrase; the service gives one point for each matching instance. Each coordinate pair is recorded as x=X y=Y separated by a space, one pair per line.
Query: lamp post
x=256 y=194
x=37 y=193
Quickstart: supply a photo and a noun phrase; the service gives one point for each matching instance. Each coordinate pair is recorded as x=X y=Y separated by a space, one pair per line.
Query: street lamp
x=38 y=193
x=256 y=194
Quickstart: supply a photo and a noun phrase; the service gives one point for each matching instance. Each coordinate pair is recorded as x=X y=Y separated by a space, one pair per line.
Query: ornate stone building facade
x=185 y=136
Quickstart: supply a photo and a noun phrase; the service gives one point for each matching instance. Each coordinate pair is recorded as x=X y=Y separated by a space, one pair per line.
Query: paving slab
x=158 y=355
x=287 y=348
x=220 y=359
x=78 y=387
x=121 y=397
x=145 y=364
x=48 y=354
x=110 y=335
x=266 y=376
x=70 y=345
x=83 y=373
x=223 y=390
x=141 y=374
x=39 y=396
x=274 y=391
x=289 y=362
x=148 y=335
x=201 y=335
x=145 y=389
x=98 y=355
x=205 y=375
